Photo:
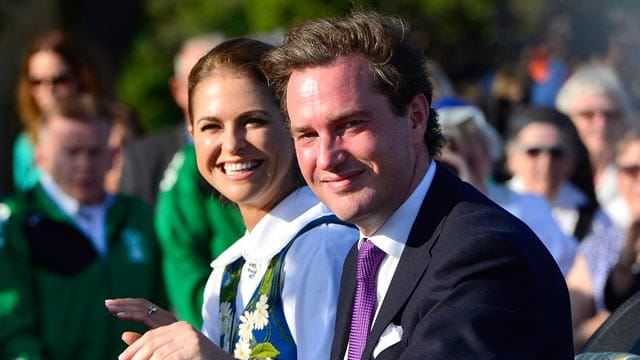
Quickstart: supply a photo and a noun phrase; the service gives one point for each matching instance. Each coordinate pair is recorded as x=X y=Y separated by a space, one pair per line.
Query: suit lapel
x=345 y=305
x=416 y=255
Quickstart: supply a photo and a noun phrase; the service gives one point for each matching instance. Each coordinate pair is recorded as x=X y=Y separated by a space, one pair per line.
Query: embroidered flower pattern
x=261 y=314
x=246 y=326
x=242 y=350
x=246 y=347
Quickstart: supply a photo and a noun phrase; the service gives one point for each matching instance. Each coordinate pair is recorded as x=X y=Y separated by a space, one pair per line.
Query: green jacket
x=193 y=227
x=53 y=284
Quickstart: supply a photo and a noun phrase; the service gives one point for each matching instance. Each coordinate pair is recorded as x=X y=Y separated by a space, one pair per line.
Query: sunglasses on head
x=62 y=79
x=629 y=170
x=556 y=152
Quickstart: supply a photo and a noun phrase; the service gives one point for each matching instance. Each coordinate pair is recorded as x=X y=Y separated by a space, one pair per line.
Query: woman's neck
x=251 y=214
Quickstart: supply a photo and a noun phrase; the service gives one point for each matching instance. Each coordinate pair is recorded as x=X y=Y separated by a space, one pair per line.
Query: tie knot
x=369 y=259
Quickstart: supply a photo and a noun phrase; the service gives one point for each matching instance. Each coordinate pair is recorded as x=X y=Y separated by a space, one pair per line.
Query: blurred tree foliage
x=466 y=37
x=144 y=75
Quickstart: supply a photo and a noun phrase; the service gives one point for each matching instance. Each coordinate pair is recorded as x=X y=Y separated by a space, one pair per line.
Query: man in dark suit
x=146 y=159
x=440 y=271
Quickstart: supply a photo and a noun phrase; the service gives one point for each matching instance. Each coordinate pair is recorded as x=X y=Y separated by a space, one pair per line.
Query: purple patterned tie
x=364 y=306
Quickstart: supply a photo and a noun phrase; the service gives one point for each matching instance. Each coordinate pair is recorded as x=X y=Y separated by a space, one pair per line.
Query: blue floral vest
x=261 y=331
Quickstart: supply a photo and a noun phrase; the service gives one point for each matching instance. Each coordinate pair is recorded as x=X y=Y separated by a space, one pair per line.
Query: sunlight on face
x=357 y=155
x=243 y=148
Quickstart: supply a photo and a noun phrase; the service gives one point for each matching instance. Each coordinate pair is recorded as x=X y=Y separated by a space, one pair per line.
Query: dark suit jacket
x=473 y=282
x=145 y=161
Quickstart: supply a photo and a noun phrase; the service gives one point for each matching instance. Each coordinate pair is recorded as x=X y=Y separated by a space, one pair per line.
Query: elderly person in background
x=473 y=148
x=599 y=107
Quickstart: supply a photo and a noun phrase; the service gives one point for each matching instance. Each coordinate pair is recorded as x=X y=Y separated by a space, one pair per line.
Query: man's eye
x=352 y=123
x=305 y=136
x=255 y=122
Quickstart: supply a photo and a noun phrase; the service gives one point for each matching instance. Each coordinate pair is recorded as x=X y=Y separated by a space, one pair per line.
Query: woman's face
x=243 y=148
x=628 y=162
x=51 y=78
x=542 y=158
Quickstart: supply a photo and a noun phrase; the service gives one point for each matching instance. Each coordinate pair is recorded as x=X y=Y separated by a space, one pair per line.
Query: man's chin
x=89 y=197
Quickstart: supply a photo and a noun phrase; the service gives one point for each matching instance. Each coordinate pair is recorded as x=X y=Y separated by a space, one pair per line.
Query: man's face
x=356 y=154
x=76 y=155
x=599 y=122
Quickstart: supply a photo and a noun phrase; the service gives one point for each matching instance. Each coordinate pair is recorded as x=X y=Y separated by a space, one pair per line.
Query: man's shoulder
x=22 y=202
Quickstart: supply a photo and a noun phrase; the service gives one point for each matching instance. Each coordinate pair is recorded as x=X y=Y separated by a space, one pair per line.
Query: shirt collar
x=393 y=234
x=67 y=204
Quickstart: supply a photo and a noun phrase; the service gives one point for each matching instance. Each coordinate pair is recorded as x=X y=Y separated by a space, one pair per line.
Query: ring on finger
x=151 y=309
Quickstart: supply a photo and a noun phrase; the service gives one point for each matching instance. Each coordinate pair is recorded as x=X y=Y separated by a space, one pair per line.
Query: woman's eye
x=209 y=127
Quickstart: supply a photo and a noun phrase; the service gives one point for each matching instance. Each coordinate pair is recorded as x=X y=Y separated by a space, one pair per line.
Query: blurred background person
x=599 y=107
x=473 y=148
x=67 y=244
x=509 y=91
x=126 y=128
x=57 y=66
x=544 y=155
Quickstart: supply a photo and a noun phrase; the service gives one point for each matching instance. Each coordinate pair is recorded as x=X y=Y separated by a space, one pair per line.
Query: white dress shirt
x=392 y=236
x=311 y=271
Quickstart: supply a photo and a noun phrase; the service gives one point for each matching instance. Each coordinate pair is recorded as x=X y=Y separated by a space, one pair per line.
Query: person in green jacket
x=194 y=226
x=66 y=245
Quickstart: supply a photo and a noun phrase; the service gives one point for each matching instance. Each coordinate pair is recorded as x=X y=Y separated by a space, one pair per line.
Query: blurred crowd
x=554 y=139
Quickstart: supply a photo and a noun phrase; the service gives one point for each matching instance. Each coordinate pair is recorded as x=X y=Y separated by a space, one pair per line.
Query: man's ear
x=418 y=113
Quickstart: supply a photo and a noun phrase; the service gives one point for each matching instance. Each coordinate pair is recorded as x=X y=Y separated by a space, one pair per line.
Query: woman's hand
x=179 y=340
x=140 y=310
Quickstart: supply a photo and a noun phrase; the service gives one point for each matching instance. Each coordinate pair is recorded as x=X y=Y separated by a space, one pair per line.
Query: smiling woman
x=265 y=297
x=244 y=148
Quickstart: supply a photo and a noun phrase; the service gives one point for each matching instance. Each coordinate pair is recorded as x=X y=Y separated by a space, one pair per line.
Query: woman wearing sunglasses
x=546 y=156
x=56 y=66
